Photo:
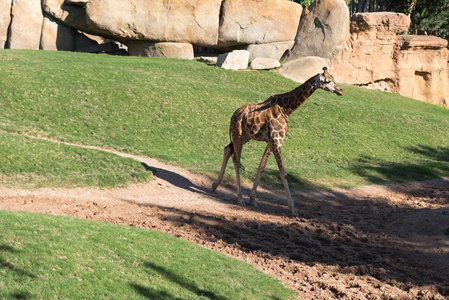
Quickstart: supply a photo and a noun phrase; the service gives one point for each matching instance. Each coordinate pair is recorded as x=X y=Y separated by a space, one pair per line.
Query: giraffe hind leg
x=237 y=155
x=228 y=151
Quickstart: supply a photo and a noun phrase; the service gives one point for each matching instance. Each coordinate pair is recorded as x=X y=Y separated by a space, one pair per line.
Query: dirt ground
x=375 y=242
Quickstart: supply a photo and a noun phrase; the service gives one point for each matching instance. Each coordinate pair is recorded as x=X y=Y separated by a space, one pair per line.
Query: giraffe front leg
x=228 y=150
x=237 y=153
x=263 y=163
x=283 y=174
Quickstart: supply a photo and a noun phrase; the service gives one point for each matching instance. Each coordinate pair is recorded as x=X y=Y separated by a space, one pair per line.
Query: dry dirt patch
x=376 y=242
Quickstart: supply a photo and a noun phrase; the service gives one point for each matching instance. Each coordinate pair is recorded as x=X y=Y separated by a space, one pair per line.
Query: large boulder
x=235 y=60
x=193 y=21
x=71 y=15
x=26 y=24
x=303 y=68
x=270 y=50
x=367 y=57
x=377 y=57
x=5 y=20
x=323 y=29
x=422 y=67
x=256 y=22
x=56 y=36
x=163 y=49
x=263 y=63
x=380 y=25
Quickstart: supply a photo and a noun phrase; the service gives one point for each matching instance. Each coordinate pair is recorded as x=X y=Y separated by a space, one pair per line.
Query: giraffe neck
x=297 y=97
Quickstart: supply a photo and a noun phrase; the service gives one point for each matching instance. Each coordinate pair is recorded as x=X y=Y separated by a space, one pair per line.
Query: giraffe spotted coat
x=267 y=121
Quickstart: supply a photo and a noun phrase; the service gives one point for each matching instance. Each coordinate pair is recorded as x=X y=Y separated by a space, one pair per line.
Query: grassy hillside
x=178 y=111
x=48 y=257
x=32 y=163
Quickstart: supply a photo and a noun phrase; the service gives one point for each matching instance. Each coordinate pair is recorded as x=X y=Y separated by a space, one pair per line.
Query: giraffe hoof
x=295 y=214
x=214 y=187
x=241 y=202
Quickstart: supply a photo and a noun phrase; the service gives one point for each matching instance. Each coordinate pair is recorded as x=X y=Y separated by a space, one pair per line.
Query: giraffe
x=267 y=121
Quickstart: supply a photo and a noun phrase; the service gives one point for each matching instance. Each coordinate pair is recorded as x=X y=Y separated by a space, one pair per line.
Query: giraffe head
x=326 y=82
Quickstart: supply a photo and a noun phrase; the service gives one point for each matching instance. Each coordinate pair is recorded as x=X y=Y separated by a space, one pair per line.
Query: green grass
x=48 y=257
x=178 y=111
x=32 y=163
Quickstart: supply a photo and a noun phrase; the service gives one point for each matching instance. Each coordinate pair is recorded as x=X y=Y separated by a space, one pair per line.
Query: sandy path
x=372 y=242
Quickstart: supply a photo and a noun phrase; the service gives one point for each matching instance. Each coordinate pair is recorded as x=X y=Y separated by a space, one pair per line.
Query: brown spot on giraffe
x=267 y=121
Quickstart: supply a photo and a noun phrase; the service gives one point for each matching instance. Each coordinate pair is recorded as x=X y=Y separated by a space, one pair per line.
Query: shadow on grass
x=434 y=163
x=152 y=293
x=271 y=180
x=5 y=264
x=173 y=278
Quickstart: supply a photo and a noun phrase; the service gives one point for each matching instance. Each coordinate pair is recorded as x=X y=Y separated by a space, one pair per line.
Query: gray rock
x=303 y=68
x=256 y=22
x=271 y=50
x=263 y=63
x=56 y=36
x=323 y=28
x=164 y=49
x=26 y=24
x=5 y=20
x=71 y=15
x=235 y=60
x=192 y=21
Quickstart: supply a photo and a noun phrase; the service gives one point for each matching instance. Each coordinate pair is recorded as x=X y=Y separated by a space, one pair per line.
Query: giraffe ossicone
x=267 y=121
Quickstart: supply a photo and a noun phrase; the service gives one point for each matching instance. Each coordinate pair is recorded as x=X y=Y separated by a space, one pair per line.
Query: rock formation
x=257 y=22
x=263 y=63
x=181 y=21
x=26 y=24
x=235 y=60
x=421 y=68
x=377 y=56
x=367 y=57
x=5 y=20
x=323 y=29
x=366 y=49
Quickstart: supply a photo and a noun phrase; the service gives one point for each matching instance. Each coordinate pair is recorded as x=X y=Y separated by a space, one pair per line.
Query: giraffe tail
x=231 y=148
x=231 y=144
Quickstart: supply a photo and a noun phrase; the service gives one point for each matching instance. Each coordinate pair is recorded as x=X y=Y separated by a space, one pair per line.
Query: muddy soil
x=375 y=242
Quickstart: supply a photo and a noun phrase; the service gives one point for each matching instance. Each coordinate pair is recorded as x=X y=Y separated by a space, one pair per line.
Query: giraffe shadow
x=270 y=179
x=176 y=179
